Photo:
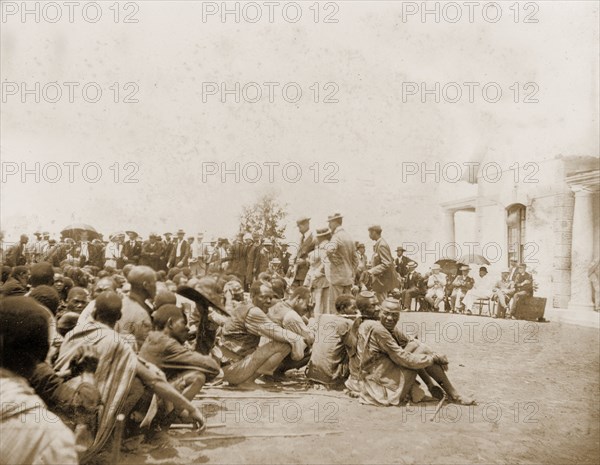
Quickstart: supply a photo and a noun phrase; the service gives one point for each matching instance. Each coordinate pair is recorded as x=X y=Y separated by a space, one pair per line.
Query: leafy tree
x=264 y=217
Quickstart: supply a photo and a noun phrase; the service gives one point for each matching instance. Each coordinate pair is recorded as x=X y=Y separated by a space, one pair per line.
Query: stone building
x=545 y=214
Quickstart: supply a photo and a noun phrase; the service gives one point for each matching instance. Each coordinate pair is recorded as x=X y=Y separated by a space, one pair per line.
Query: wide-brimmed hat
x=132 y=232
x=465 y=267
x=335 y=216
x=116 y=235
x=412 y=265
x=435 y=266
x=400 y=249
x=204 y=296
x=323 y=232
x=180 y=232
x=302 y=219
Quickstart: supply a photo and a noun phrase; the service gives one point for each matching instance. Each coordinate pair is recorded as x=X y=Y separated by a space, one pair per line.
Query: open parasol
x=474 y=259
x=449 y=265
x=75 y=230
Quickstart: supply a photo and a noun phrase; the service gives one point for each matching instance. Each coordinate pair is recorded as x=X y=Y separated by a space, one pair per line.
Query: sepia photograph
x=300 y=232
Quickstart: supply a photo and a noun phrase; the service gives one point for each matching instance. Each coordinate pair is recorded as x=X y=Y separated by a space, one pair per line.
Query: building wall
x=549 y=212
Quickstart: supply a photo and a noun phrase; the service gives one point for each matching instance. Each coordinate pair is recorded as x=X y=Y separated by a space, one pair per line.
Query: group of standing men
x=330 y=263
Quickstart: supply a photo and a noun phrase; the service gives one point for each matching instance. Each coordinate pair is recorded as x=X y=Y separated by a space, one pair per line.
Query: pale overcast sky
x=367 y=135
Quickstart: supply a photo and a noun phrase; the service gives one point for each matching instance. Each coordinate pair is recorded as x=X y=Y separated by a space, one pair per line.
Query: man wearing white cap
x=436 y=287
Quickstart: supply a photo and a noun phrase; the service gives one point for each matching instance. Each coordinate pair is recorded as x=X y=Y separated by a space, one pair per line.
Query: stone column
x=582 y=249
x=449 y=234
x=563 y=242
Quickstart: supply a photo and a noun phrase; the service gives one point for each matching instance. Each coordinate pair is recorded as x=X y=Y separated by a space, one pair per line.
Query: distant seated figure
x=436 y=287
x=462 y=284
x=329 y=359
x=523 y=287
x=412 y=285
x=503 y=291
x=482 y=289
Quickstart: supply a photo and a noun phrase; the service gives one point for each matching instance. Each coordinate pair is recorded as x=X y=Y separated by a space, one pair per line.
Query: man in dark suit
x=152 y=250
x=306 y=245
x=523 y=287
x=284 y=256
x=401 y=262
x=180 y=254
x=252 y=246
x=15 y=255
x=512 y=271
x=237 y=263
x=413 y=286
x=382 y=273
x=167 y=249
x=132 y=249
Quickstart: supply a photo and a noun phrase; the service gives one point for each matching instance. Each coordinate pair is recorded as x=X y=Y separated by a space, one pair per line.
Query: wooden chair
x=485 y=302
x=418 y=302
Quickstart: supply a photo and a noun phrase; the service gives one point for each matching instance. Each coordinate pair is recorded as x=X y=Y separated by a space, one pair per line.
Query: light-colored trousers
x=335 y=292
x=320 y=297
x=474 y=294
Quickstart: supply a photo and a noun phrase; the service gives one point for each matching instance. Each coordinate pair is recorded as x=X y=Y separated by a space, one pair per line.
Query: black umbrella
x=449 y=265
x=75 y=230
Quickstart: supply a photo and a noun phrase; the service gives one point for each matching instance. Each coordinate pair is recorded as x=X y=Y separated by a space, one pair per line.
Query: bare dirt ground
x=537 y=387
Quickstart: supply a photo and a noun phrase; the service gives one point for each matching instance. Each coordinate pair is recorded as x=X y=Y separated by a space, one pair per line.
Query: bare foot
x=462 y=400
